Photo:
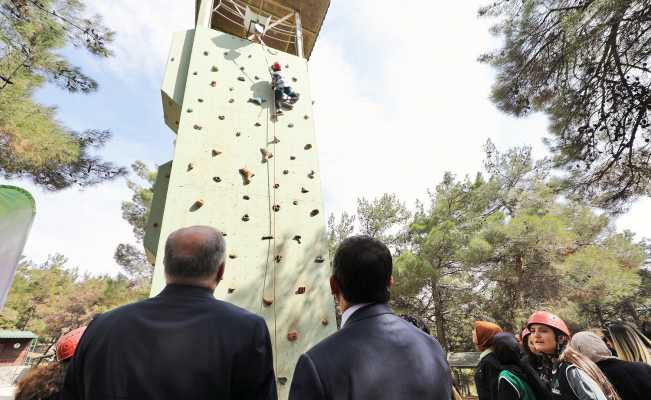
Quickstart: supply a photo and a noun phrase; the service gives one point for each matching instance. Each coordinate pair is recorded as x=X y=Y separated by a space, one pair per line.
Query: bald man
x=181 y=344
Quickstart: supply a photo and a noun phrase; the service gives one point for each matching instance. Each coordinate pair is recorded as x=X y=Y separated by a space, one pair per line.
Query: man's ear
x=334 y=286
x=220 y=271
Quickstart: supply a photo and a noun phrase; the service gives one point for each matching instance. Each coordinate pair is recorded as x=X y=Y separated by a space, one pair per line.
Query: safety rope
x=271 y=202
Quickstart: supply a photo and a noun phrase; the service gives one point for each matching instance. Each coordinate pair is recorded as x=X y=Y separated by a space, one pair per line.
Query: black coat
x=486 y=374
x=181 y=344
x=631 y=380
x=375 y=356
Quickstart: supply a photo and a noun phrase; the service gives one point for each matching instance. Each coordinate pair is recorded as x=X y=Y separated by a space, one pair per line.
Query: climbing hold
x=189 y=110
x=300 y=290
x=295 y=202
x=303 y=190
x=241 y=78
x=324 y=322
x=307 y=146
x=278 y=258
x=319 y=260
x=246 y=175
x=256 y=77
x=275 y=207
x=195 y=73
x=213 y=83
x=221 y=117
x=282 y=380
x=267 y=301
x=306 y=116
x=155 y=224
x=176 y=122
x=250 y=56
x=257 y=100
x=237 y=134
x=224 y=234
x=232 y=256
x=314 y=213
x=205 y=53
x=297 y=238
x=292 y=336
x=292 y=158
x=275 y=141
x=230 y=89
x=266 y=155
x=241 y=68
x=257 y=124
x=245 y=217
x=311 y=175
x=214 y=68
x=286 y=66
x=231 y=101
x=290 y=125
x=276 y=186
x=216 y=152
x=230 y=290
x=172 y=59
x=197 y=127
x=285 y=172
x=245 y=197
x=294 y=79
x=225 y=53
x=200 y=100
x=217 y=179
x=190 y=167
x=197 y=205
x=267 y=238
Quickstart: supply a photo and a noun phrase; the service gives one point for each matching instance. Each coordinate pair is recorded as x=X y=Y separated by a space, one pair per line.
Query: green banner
x=17 y=210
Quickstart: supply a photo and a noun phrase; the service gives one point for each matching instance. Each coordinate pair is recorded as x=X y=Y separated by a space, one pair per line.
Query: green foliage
x=132 y=259
x=33 y=143
x=584 y=63
x=51 y=298
x=500 y=247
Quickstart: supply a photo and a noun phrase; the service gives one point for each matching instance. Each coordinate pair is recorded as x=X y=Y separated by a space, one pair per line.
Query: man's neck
x=202 y=283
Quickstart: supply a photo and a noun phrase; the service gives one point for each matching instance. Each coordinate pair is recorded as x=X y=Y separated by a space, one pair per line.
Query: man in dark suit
x=376 y=354
x=181 y=344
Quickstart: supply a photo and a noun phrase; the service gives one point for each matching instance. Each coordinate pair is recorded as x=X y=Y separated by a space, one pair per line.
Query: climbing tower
x=243 y=169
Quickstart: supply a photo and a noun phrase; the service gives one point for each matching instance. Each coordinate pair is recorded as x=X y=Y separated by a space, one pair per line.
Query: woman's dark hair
x=509 y=355
x=417 y=322
x=42 y=382
x=363 y=267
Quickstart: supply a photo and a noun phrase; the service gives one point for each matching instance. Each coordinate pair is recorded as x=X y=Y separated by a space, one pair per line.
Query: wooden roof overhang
x=228 y=17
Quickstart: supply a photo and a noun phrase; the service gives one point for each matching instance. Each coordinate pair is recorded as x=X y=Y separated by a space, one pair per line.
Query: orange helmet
x=67 y=344
x=276 y=67
x=549 y=319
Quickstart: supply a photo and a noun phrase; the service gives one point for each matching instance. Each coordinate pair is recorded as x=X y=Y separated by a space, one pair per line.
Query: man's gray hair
x=198 y=259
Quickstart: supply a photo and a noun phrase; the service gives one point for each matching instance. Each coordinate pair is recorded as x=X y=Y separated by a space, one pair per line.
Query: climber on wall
x=284 y=95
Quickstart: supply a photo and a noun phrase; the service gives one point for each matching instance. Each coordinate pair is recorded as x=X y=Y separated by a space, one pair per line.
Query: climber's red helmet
x=276 y=67
x=549 y=319
x=67 y=344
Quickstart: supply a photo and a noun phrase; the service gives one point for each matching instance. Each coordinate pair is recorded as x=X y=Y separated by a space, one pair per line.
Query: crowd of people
x=547 y=362
x=185 y=344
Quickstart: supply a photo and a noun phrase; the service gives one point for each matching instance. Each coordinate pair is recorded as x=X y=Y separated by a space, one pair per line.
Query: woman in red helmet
x=557 y=364
x=45 y=383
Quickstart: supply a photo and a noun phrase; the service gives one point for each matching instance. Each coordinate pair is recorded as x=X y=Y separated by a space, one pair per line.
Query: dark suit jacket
x=375 y=356
x=181 y=344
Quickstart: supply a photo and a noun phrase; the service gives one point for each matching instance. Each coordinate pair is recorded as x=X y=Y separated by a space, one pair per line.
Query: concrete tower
x=216 y=76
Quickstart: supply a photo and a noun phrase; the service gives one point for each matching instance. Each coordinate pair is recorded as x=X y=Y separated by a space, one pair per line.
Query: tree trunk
x=440 y=321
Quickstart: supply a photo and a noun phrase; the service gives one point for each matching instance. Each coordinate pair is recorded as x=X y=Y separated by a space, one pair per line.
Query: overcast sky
x=400 y=99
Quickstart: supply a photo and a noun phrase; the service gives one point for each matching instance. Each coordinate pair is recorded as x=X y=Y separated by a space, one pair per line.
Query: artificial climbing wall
x=253 y=177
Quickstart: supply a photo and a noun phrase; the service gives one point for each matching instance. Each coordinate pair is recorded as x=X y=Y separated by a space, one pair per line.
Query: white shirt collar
x=350 y=311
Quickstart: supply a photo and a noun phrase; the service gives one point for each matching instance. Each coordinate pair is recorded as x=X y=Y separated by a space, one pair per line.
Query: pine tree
x=33 y=143
x=584 y=63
